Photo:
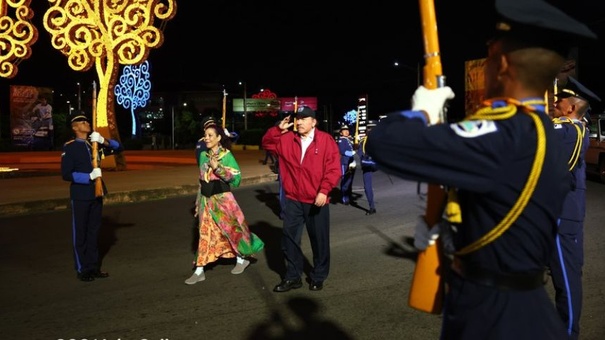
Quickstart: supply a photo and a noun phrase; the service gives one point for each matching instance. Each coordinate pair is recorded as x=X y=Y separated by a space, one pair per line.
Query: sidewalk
x=37 y=185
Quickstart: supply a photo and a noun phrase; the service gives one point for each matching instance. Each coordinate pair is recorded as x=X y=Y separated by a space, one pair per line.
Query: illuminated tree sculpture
x=107 y=33
x=17 y=35
x=350 y=117
x=133 y=90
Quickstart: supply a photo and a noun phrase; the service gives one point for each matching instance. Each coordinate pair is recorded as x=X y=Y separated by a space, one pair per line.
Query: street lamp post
x=409 y=68
x=245 y=111
x=79 y=98
x=172 y=128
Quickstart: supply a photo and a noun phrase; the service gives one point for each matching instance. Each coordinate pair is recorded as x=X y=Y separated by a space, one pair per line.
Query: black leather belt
x=503 y=281
x=213 y=187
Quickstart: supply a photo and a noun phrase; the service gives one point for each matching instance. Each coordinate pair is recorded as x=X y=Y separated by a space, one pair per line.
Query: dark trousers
x=566 y=271
x=346 y=183
x=282 y=199
x=473 y=311
x=86 y=223
x=317 y=221
x=269 y=155
x=367 y=187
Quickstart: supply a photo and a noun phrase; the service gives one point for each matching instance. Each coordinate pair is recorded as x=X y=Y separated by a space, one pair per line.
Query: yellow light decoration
x=107 y=33
x=17 y=35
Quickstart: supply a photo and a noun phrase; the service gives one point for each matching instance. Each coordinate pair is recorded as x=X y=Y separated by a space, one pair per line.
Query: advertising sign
x=256 y=104
x=31 y=117
x=362 y=118
x=287 y=103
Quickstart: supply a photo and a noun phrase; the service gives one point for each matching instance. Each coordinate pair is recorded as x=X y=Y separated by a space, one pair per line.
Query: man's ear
x=504 y=65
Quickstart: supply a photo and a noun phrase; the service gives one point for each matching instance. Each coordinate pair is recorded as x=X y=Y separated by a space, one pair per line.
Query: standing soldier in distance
x=506 y=164
x=347 y=164
x=570 y=109
x=368 y=167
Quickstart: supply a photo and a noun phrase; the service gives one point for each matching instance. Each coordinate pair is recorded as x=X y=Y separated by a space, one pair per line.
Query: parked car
x=595 y=155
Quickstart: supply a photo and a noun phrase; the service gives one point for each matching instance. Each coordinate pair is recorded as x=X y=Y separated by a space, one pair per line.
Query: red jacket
x=319 y=170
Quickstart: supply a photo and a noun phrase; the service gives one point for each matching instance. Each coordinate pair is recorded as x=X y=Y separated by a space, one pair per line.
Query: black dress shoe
x=316 y=285
x=286 y=285
x=86 y=277
x=371 y=212
x=99 y=274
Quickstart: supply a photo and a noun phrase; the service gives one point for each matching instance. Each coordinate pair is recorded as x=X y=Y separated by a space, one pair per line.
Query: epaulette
x=69 y=142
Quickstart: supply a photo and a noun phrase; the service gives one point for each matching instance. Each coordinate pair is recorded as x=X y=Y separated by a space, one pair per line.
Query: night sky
x=333 y=51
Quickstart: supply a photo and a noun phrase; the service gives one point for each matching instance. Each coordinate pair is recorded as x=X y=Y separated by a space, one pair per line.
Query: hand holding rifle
x=432 y=102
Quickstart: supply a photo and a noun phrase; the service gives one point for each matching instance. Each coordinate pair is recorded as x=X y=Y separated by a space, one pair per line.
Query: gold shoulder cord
x=575 y=155
x=504 y=113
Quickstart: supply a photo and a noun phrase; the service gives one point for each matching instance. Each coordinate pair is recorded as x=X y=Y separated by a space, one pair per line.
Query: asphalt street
x=147 y=248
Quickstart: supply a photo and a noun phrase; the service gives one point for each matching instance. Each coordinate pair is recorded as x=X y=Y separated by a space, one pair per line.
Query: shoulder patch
x=558 y=126
x=474 y=128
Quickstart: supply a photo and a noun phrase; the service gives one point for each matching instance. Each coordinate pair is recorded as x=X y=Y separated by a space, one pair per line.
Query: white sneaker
x=195 y=278
x=239 y=267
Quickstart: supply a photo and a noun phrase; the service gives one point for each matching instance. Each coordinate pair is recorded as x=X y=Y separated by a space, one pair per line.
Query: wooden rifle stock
x=426 y=291
x=95 y=145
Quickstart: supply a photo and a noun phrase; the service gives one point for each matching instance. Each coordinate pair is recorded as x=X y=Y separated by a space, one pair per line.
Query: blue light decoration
x=133 y=90
x=350 y=117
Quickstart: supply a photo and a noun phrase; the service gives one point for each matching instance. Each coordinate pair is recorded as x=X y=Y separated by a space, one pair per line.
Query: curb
x=113 y=198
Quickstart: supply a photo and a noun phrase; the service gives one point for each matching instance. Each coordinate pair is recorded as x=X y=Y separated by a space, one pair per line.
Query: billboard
x=256 y=104
x=31 y=118
x=273 y=104
x=287 y=103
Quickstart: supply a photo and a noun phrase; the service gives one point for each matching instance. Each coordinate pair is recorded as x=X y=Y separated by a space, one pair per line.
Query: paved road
x=38 y=187
x=147 y=249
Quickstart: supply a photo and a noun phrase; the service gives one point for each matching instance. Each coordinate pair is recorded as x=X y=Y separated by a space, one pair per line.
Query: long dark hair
x=225 y=140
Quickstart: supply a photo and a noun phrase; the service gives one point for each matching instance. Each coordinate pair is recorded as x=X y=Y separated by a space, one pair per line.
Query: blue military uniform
x=568 y=259
x=504 y=164
x=489 y=183
x=368 y=167
x=347 y=165
x=87 y=209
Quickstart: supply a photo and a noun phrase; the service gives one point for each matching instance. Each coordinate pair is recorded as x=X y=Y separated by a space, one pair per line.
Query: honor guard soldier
x=368 y=167
x=571 y=106
x=86 y=207
x=504 y=167
x=347 y=164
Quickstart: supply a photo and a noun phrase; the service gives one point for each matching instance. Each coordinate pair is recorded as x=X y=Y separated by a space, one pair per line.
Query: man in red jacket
x=309 y=166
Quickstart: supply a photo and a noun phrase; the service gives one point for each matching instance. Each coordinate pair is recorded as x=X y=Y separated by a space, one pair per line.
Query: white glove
x=432 y=102
x=96 y=137
x=352 y=165
x=96 y=172
x=423 y=236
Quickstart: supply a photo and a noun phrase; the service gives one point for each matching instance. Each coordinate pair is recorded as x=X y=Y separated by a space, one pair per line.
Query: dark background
x=333 y=51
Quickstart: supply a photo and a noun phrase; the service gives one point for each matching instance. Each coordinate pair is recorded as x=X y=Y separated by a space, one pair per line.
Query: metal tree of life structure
x=18 y=35
x=107 y=34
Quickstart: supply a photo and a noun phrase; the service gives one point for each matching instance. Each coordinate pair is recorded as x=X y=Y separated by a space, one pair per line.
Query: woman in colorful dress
x=223 y=229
